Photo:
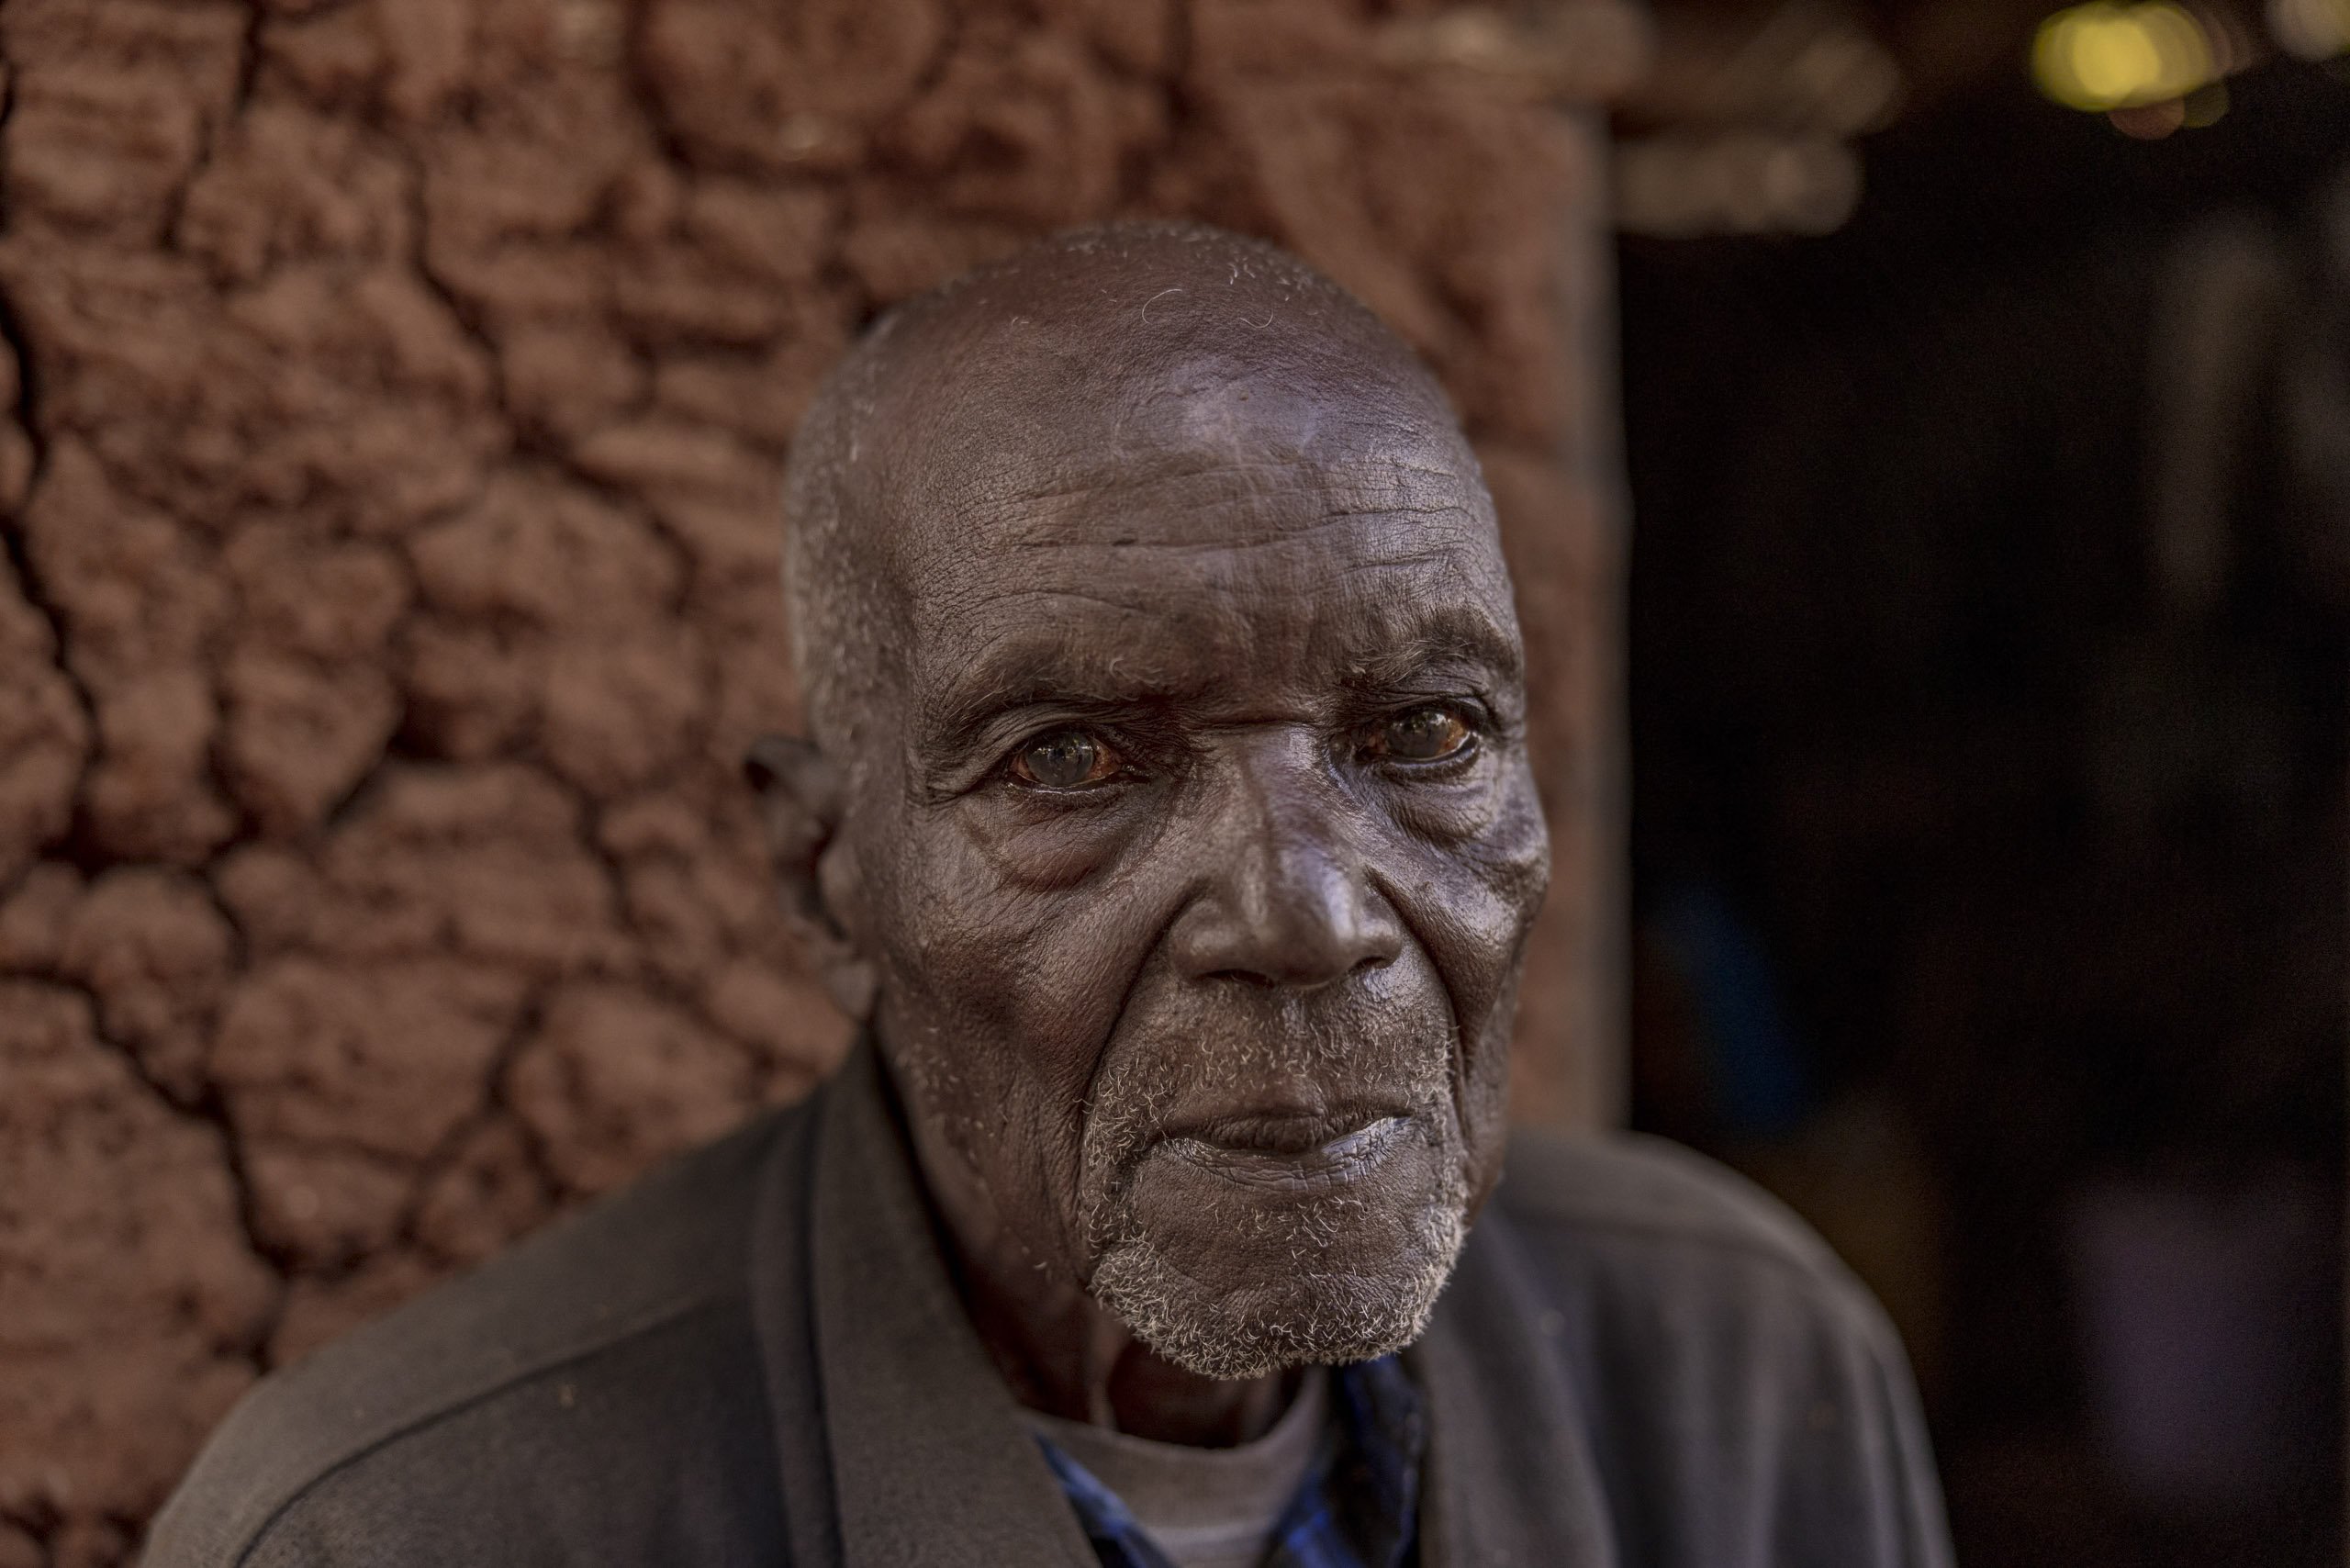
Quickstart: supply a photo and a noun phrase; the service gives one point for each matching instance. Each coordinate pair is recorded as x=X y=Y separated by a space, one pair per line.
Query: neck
x=1058 y=1351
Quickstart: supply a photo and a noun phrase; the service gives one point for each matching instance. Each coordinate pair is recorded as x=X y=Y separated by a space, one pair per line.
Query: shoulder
x=1630 y=1189
x=1648 y=1244
x=1742 y=1386
x=550 y=1352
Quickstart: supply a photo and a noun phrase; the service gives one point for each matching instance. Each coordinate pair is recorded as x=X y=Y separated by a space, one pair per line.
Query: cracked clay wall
x=394 y=393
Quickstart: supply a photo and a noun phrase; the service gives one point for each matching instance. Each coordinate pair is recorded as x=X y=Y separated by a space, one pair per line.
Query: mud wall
x=395 y=402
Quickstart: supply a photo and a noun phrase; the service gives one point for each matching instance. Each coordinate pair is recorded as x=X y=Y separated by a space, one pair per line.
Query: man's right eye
x=1066 y=759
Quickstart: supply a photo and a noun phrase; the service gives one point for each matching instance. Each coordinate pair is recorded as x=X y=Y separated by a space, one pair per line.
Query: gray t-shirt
x=1205 y=1507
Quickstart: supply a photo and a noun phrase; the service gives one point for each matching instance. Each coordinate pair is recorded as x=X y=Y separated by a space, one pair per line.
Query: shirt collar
x=1357 y=1507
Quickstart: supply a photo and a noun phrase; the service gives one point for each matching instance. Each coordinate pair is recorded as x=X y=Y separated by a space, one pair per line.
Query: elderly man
x=1166 y=816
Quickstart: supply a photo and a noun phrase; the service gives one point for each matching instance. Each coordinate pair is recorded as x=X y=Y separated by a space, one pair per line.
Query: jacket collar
x=1510 y=1478
x=930 y=1463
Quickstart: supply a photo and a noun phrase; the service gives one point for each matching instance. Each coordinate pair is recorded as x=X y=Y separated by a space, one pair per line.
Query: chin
x=1258 y=1277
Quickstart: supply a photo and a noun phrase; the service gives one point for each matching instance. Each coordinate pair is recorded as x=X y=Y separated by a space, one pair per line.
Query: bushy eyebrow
x=1441 y=636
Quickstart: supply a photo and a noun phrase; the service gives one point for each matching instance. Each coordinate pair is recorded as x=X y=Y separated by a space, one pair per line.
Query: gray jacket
x=755 y=1356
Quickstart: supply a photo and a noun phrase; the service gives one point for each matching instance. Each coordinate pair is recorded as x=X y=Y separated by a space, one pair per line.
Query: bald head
x=1123 y=354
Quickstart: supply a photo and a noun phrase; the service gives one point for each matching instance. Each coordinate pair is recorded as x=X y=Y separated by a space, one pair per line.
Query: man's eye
x=1424 y=734
x=1066 y=759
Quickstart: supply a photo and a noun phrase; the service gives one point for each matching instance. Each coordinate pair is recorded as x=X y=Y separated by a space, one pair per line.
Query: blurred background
x=1987 y=379
x=1921 y=430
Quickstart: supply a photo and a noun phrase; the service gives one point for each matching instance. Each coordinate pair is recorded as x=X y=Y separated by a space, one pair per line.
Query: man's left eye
x=1423 y=735
x=1066 y=759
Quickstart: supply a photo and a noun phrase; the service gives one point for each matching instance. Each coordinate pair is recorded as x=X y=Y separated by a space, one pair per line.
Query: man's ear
x=801 y=800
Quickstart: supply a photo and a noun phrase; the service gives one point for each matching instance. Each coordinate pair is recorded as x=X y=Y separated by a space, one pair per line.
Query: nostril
x=1305 y=927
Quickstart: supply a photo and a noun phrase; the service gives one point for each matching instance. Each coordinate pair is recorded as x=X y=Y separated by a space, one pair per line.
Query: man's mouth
x=1289 y=1151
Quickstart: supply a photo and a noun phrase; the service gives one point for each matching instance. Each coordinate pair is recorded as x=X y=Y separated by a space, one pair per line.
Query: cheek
x=1047 y=848
x=1513 y=856
x=1455 y=815
x=1515 y=870
x=1012 y=940
x=1470 y=901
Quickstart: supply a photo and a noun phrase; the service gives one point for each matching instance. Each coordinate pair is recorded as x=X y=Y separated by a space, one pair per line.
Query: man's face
x=1196 y=858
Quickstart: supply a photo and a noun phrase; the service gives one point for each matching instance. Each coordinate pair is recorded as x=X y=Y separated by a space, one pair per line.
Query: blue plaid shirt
x=1358 y=1506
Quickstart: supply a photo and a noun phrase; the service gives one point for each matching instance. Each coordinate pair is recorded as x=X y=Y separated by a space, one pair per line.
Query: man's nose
x=1286 y=900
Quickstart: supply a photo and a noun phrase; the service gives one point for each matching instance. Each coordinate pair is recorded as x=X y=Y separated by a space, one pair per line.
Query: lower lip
x=1344 y=1159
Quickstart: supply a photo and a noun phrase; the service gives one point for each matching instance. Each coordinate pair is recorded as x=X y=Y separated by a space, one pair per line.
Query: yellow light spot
x=2104 y=56
x=2113 y=58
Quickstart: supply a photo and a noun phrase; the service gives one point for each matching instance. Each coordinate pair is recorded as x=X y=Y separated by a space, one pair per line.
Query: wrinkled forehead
x=1029 y=439
x=1238 y=546
x=1244 y=446
x=1158 y=461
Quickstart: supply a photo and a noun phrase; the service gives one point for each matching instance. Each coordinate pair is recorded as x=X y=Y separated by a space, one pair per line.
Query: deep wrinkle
x=1403 y=662
x=1203 y=1055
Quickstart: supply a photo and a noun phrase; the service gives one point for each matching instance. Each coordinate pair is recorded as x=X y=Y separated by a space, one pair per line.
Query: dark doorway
x=1990 y=577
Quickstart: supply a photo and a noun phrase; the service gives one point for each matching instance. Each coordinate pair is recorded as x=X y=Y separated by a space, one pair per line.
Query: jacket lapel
x=929 y=1461
x=1510 y=1478
x=783 y=1316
